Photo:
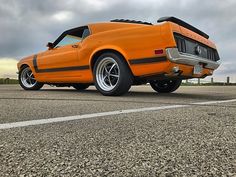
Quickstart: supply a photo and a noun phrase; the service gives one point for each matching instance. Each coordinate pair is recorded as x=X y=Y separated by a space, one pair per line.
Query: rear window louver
x=131 y=21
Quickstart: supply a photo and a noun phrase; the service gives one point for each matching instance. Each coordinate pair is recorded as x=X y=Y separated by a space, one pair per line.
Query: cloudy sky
x=27 y=25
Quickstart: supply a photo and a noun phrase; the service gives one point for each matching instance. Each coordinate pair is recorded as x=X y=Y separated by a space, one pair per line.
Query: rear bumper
x=175 y=56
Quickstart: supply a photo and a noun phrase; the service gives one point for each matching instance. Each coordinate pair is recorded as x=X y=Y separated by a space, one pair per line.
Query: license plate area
x=197 y=69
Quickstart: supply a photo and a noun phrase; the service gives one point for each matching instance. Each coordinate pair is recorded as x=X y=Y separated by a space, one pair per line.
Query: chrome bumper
x=175 y=56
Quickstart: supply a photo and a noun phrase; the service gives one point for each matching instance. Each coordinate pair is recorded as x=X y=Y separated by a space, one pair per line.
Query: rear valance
x=184 y=24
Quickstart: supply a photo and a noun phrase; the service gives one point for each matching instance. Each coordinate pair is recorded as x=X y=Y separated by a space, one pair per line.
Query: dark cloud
x=27 y=25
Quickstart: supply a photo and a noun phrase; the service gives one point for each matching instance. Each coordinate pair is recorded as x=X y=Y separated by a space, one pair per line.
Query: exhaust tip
x=175 y=69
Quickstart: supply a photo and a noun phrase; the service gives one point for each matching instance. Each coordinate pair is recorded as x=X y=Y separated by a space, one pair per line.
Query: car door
x=60 y=62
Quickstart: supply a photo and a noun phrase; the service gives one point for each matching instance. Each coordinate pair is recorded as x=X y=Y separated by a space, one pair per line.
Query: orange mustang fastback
x=117 y=54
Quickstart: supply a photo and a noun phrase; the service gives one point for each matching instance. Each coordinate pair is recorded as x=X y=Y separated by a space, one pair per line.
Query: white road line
x=215 y=102
x=101 y=114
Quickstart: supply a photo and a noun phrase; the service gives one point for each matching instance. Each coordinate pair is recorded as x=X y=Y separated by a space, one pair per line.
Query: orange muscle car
x=117 y=54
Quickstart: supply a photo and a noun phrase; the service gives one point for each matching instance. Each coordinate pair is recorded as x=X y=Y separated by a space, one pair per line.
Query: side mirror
x=50 y=45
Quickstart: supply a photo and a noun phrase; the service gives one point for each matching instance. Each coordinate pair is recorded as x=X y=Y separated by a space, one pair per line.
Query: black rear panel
x=190 y=46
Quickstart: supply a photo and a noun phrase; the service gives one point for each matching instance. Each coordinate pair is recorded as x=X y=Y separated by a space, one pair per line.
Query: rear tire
x=112 y=75
x=80 y=86
x=27 y=80
x=165 y=86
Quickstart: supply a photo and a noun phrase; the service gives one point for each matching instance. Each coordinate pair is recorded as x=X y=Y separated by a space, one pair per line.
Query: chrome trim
x=182 y=58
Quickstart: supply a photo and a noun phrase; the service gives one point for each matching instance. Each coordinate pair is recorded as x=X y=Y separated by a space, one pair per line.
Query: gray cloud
x=27 y=25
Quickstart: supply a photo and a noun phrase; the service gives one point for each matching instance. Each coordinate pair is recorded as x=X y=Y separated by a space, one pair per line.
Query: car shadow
x=142 y=94
x=179 y=95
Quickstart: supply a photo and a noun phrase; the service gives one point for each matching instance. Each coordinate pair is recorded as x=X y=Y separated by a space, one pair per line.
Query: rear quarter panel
x=136 y=42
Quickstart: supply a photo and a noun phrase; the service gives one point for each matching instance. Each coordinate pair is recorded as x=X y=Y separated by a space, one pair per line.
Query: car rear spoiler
x=184 y=24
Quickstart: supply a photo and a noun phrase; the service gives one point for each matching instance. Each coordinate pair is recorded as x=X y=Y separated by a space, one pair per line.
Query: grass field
x=8 y=81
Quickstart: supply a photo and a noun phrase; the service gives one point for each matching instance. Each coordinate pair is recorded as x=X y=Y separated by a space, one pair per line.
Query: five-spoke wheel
x=112 y=75
x=107 y=73
x=27 y=80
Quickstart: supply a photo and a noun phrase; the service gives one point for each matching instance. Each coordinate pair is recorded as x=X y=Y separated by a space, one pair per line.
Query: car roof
x=104 y=26
x=107 y=26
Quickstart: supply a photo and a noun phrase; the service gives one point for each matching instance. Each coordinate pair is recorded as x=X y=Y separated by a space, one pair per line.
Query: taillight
x=159 y=52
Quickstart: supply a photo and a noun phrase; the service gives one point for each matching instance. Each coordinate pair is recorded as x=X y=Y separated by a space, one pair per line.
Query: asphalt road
x=140 y=134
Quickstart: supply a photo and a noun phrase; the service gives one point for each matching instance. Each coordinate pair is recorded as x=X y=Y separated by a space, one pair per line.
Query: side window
x=69 y=39
x=86 y=33
x=72 y=36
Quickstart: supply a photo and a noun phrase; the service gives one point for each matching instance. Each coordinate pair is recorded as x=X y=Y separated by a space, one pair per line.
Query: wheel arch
x=99 y=52
x=26 y=63
x=23 y=65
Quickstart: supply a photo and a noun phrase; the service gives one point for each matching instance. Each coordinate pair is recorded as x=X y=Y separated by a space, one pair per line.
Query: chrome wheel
x=107 y=74
x=27 y=78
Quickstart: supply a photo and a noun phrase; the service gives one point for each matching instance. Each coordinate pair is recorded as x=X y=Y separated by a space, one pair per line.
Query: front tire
x=27 y=80
x=165 y=86
x=112 y=75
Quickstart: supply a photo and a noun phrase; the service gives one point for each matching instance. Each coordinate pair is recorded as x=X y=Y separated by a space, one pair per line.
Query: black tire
x=80 y=86
x=36 y=86
x=123 y=80
x=165 y=86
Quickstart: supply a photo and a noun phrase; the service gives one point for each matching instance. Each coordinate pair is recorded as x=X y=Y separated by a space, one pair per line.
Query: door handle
x=75 y=46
